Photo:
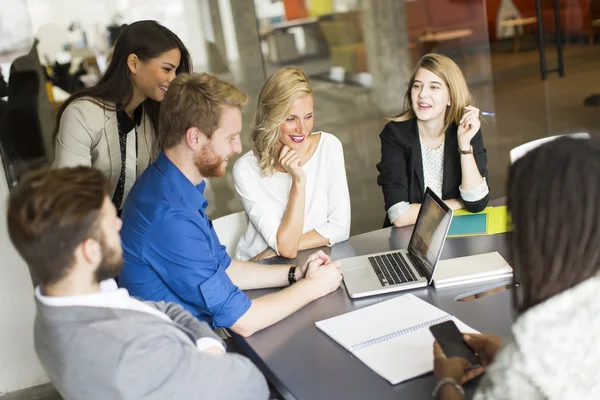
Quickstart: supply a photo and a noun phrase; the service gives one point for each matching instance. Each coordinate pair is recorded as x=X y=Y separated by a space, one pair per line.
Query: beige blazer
x=88 y=135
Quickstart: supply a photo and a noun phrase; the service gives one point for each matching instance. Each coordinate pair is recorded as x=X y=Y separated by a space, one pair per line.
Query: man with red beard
x=93 y=339
x=171 y=251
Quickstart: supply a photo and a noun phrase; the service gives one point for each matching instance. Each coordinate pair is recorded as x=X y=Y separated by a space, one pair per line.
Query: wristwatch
x=470 y=151
x=292 y=275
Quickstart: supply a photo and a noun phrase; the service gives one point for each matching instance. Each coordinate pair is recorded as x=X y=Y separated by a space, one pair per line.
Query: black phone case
x=452 y=342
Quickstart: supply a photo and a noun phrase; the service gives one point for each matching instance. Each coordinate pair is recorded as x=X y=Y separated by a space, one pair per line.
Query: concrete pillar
x=215 y=40
x=388 y=55
x=248 y=41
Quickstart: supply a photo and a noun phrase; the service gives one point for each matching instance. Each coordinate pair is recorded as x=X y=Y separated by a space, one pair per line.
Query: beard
x=111 y=264
x=209 y=164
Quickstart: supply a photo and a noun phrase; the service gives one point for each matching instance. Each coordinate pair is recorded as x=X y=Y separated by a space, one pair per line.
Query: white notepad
x=471 y=269
x=392 y=337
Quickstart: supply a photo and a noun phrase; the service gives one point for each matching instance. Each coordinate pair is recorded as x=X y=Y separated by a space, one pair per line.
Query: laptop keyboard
x=391 y=269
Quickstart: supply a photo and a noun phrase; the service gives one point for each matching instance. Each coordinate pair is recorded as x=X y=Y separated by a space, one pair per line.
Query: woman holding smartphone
x=553 y=351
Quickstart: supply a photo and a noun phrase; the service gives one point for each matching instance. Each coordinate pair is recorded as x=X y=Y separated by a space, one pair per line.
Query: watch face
x=292 y=275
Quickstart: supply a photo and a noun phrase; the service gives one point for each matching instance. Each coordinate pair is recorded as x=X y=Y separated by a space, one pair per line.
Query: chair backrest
x=230 y=229
x=523 y=149
x=33 y=118
x=209 y=195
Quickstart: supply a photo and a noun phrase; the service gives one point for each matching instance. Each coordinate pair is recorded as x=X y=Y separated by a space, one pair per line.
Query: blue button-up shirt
x=171 y=250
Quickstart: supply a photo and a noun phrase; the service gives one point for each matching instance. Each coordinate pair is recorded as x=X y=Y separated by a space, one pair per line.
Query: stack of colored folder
x=490 y=221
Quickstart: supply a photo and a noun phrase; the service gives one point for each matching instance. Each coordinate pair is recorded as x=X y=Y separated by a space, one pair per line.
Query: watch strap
x=292 y=275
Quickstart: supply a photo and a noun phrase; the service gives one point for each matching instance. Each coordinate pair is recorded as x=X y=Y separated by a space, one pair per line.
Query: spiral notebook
x=392 y=337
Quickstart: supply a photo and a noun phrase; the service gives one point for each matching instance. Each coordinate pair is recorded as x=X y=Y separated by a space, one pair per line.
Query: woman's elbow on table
x=477 y=206
x=344 y=235
x=285 y=247
x=408 y=217
x=288 y=252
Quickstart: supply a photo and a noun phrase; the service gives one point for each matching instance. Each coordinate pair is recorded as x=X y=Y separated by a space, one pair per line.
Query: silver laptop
x=398 y=270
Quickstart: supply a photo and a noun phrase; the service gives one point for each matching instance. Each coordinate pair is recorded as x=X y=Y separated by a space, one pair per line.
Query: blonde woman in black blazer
x=435 y=142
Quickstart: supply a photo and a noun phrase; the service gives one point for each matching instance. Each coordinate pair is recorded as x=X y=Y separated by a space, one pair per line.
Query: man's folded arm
x=182 y=317
x=156 y=365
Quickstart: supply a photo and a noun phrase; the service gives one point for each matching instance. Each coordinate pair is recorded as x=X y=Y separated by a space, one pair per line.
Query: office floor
x=43 y=392
x=526 y=108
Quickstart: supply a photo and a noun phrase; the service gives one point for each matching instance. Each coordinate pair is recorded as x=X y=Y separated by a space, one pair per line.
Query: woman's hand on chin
x=291 y=163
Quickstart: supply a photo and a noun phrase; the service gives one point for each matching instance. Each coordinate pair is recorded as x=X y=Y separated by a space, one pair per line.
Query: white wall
x=19 y=366
x=269 y=8
x=345 y=5
x=15 y=26
x=228 y=30
x=181 y=16
x=191 y=32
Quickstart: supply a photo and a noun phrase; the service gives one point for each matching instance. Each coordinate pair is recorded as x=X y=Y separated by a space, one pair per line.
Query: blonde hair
x=445 y=68
x=195 y=100
x=278 y=93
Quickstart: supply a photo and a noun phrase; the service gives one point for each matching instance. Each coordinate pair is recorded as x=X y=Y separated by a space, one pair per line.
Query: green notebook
x=471 y=224
x=490 y=221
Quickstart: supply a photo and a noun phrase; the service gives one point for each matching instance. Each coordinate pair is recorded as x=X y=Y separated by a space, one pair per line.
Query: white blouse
x=433 y=168
x=433 y=176
x=265 y=198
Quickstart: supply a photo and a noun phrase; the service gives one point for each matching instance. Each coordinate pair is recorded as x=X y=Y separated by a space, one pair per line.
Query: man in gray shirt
x=93 y=339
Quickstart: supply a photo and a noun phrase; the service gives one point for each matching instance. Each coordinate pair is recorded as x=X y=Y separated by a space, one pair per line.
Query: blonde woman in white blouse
x=293 y=183
x=435 y=142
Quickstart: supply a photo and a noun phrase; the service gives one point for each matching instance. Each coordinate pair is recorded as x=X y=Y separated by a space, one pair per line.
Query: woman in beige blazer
x=111 y=126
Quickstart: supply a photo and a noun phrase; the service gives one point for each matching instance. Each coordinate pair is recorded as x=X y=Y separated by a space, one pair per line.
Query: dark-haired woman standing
x=111 y=126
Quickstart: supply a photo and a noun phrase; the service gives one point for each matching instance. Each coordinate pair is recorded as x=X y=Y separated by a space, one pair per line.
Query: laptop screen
x=430 y=230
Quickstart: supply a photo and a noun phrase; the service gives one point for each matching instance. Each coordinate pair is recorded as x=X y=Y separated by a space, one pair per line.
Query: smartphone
x=452 y=342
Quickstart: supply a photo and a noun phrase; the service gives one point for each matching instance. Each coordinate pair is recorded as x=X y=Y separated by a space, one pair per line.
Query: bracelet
x=447 y=381
x=461 y=151
x=292 y=275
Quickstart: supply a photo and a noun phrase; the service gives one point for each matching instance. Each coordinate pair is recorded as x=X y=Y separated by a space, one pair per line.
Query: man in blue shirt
x=171 y=250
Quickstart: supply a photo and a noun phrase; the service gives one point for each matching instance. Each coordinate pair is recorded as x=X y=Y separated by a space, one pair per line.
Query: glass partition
x=359 y=55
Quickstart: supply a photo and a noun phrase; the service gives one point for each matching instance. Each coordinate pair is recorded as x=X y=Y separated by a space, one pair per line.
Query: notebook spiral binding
x=400 y=333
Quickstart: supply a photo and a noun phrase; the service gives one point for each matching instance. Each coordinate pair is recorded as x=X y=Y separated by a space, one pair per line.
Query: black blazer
x=401 y=166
